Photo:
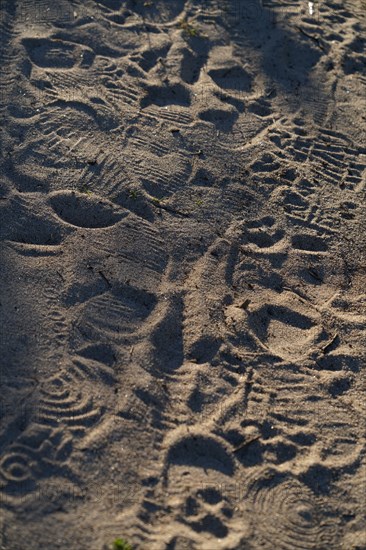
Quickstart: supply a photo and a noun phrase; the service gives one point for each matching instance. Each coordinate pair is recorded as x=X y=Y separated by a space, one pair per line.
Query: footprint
x=199 y=451
x=223 y=119
x=62 y=404
x=103 y=353
x=114 y=314
x=338 y=362
x=86 y=369
x=334 y=157
x=299 y=517
x=36 y=454
x=228 y=99
x=30 y=234
x=280 y=325
x=191 y=65
x=166 y=337
x=37 y=234
x=260 y=108
x=161 y=176
x=233 y=78
x=286 y=325
x=16 y=470
x=163 y=96
x=83 y=211
x=309 y=243
x=120 y=84
x=57 y=54
x=353 y=63
x=267 y=221
x=210 y=523
x=203 y=178
x=199 y=490
x=339 y=385
x=266 y=163
x=264 y=237
x=147 y=59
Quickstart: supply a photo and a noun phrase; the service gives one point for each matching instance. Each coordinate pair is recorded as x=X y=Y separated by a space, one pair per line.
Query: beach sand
x=182 y=271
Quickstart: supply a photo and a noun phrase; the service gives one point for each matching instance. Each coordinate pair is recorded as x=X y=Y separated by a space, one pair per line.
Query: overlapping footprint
x=286 y=514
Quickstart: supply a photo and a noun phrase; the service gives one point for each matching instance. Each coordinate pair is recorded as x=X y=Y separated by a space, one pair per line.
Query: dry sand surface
x=182 y=270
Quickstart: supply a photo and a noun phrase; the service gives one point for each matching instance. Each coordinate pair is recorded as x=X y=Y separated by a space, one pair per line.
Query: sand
x=182 y=271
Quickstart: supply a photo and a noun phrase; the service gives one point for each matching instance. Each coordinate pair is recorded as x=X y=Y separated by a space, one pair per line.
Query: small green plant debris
x=133 y=194
x=85 y=189
x=121 y=544
x=188 y=28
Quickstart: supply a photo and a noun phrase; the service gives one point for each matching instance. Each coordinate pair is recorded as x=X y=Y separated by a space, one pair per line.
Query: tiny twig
x=314 y=274
x=60 y=275
x=246 y=443
x=104 y=278
x=170 y=209
x=313 y=38
x=329 y=343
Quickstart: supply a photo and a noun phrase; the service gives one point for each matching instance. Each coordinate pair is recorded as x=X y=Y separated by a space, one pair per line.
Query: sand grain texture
x=182 y=270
